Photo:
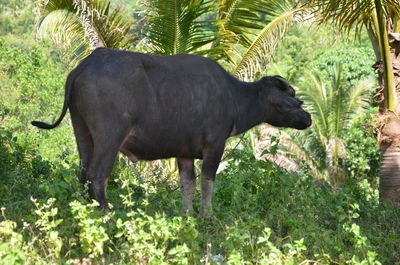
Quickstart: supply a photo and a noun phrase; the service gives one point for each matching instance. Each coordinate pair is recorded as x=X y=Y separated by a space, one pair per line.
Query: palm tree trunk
x=389 y=138
x=389 y=135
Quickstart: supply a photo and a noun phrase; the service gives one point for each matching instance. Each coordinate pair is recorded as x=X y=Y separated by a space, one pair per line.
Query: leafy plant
x=48 y=223
x=10 y=243
x=92 y=234
x=362 y=161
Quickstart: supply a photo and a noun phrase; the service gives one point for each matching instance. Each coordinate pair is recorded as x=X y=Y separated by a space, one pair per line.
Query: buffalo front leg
x=211 y=159
x=187 y=182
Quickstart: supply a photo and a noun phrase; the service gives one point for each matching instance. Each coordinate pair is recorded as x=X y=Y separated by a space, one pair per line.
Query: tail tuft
x=43 y=125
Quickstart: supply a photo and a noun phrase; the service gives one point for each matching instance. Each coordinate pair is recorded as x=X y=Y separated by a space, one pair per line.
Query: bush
x=264 y=215
x=363 y=152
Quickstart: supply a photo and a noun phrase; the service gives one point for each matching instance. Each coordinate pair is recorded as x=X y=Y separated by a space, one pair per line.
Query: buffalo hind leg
x=84 y=142
x=211 y=159
x=187 y=182
x=100 y=167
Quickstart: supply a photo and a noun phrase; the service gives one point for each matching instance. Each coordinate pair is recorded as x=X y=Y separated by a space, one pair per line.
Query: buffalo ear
x=281 y=78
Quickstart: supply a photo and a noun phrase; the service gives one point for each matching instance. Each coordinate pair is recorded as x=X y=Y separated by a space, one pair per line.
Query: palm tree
x=332 y=108
x=244 y=33
x=381 y=19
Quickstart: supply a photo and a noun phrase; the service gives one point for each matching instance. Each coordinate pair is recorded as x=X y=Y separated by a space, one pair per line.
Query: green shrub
x=363 y=151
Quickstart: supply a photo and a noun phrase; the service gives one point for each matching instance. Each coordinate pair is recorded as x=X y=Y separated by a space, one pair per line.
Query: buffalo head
x=284 y=109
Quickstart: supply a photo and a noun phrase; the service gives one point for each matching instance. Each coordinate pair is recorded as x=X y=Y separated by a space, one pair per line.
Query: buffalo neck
x=249 y=111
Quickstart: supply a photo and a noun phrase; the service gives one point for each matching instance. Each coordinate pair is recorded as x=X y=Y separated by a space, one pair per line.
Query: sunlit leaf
x=82 y=25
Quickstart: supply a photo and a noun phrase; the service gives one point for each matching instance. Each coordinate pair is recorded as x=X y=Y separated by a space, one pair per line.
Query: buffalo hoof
x=105 y=206
x=188 y=212
x=208 y=216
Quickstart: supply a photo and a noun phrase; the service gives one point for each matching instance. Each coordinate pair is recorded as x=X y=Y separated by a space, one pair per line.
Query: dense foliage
x=337 y=88
x=264 y=214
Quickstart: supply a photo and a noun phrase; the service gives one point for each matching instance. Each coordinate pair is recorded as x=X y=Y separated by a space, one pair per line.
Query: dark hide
x=152 y=107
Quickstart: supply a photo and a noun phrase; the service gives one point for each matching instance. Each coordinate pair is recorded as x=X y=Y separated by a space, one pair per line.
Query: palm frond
x=173 y=26
x=316 y=101
x=238 y=17
x=83 y=25
x=358 y=98
x=259 y=54
x=338 y=100
x=333 y=106
x=56 y=25
x=345 y=13
x=347 y=101
x=239 y=22
x=348 y=14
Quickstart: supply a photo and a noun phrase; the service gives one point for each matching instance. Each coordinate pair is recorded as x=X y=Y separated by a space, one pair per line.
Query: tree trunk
x=389 y=138
x=389 y=134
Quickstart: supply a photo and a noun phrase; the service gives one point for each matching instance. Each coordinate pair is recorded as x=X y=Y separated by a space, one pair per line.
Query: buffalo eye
x=290 y=104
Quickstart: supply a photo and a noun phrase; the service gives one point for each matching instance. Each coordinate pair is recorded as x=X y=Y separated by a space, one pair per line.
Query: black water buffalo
x=152 y=107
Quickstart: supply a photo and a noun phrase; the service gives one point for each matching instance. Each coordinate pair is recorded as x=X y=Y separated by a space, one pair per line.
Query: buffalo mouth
x=302 y=120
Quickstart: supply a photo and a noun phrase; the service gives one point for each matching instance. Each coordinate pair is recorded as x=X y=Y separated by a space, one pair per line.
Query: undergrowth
x=264 y=215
